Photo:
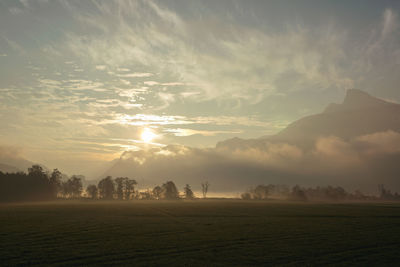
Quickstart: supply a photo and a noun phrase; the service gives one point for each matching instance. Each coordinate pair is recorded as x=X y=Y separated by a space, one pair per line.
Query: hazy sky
x=81 y=80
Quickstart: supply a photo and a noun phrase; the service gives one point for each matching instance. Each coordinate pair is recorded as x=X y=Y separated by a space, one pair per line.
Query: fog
x=360 y=163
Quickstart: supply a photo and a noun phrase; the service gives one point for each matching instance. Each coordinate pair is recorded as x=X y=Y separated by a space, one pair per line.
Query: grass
x=199 y=233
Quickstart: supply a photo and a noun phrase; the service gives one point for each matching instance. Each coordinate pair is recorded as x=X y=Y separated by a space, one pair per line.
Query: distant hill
x=359 y=114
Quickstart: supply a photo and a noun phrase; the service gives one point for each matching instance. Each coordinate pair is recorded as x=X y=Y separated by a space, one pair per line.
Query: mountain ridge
x=358 y=114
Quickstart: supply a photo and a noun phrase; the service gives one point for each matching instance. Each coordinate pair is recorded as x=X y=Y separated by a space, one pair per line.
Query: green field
x=199 y=233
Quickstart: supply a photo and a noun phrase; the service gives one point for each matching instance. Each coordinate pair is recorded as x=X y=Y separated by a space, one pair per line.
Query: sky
x=82 y=82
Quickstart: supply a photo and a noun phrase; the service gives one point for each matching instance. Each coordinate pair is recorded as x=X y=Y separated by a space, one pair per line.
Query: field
x=199 y=233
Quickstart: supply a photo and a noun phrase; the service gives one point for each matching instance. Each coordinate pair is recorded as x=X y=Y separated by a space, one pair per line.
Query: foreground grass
x=200 y=233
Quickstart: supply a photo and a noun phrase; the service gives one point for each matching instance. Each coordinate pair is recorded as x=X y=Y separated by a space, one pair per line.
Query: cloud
x=50 y=82
x=239 y=120
x=14 y=157
x=125 y=82
x=164 y=44
x=331 y=161
x=390 y=23
x=123 y=69
x=379 y=143
x=107 y=103
x=15 y=10
x=173 y=84
x=152 y=83
x=15 y=46
x=166 y=99
x=148 y=119
x=227 y=61
x=189 y=132
x=7 y=152
x=101 y=67
x=336 y=151
x=135 y=75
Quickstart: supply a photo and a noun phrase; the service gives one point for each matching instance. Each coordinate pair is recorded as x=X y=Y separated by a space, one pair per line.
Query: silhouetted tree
x=298 y=194
x=386 y=194
x=157 y=192
x=34 y=185
x=146 y=195
x=55 y=182
x=65 y=189
x=262 y=192
x=121 y=185
x=37 y=170
x=129 y=188
x=106 y=188
x=72 y=188
x=246 y=196
x=169 y=191
x=204 y=187
x=39 y=183
x=318 y=193
x=75 y=184
x=92 y=191
x=125 y=187
x=188 y=192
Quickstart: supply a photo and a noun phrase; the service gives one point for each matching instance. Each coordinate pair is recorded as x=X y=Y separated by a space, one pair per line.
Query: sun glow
x=147 y=135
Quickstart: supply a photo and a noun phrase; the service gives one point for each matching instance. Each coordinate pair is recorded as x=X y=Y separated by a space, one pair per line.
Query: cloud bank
x=361 y=163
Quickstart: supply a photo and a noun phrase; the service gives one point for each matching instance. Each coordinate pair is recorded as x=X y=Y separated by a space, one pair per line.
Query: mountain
x=359 y=114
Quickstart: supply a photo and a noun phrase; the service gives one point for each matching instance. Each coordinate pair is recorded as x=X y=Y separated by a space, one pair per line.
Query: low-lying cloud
x=359 y=163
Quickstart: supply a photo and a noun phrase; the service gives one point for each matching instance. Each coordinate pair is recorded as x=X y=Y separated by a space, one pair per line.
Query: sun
x=147 y=135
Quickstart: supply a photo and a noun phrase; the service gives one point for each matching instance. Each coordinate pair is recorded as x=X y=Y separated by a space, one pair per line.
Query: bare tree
x=204 y=187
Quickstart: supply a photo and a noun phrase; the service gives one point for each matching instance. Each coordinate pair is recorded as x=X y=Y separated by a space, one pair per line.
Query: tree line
x=123 y=188
x=38 y=184
x=324 y=193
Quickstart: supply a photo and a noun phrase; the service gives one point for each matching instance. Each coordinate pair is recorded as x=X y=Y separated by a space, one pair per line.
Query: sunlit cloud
x=147 y=120
x=135 y=75
x=125 y=70
x=148 y=135
x=189 y=132
x=101 y=67
x=152 y=83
